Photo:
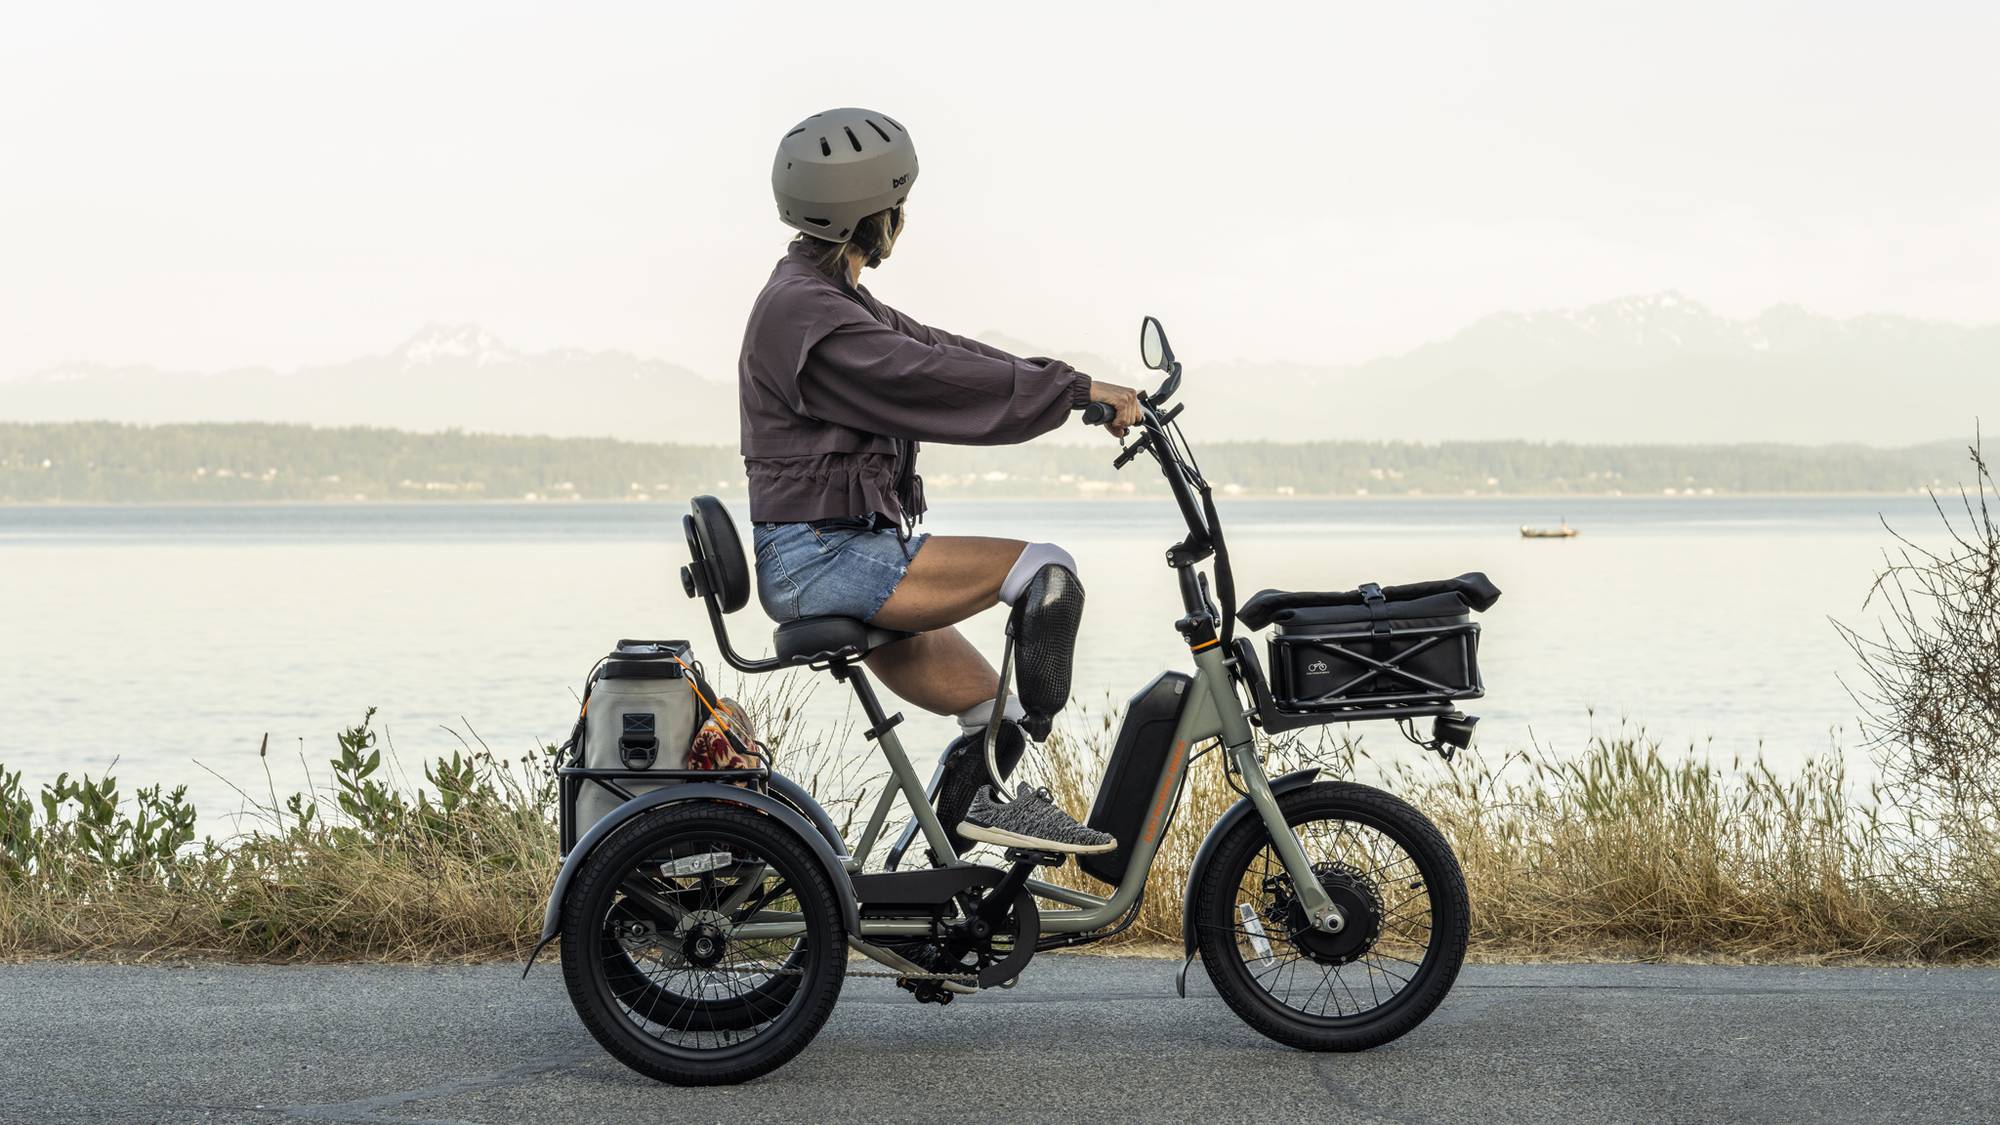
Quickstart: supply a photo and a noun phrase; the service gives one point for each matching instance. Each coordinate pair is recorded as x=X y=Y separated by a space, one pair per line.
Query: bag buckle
x=1378 y=606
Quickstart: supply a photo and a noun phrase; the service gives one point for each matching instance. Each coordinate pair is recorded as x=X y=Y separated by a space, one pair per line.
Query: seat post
x=879 y=723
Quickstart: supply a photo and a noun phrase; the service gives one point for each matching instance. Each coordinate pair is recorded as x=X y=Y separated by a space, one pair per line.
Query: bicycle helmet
x=839 y=167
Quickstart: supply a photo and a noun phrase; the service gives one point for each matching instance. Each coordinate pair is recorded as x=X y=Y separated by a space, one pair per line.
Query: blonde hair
x=875 y=235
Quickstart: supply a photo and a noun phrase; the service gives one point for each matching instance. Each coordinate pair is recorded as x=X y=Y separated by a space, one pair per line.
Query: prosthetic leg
x=1043 y=629
x=1048 y=608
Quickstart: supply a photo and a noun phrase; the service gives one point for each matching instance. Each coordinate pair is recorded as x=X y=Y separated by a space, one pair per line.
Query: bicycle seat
x=718 y=572
x=813 y=640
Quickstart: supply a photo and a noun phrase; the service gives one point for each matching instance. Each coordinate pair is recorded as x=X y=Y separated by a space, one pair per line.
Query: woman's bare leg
x=952 y=578
x=938 y=671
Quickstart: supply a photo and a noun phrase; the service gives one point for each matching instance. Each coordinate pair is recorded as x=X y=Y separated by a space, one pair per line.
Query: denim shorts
x=840 y=568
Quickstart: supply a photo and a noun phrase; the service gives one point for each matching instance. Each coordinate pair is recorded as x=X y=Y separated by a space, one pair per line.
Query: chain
x=884 y=974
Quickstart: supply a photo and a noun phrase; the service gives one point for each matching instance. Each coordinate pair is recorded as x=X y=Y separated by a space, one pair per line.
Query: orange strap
x=716 y=714
x=695 y=685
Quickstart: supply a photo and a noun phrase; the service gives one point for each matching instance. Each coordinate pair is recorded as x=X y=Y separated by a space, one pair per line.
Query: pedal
x=930 y=991
x=1043 y=859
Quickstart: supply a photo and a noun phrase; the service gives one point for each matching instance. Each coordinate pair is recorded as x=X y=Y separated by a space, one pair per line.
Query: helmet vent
x=892 y=121
x=851 y=138
x=824 y=148
x=818 y=222
x=877 y=128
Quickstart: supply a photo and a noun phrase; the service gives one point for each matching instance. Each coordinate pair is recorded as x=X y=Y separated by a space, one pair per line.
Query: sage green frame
x=1213 y=710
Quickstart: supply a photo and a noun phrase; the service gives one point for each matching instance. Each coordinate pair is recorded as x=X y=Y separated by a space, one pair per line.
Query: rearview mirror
x=1153 y=345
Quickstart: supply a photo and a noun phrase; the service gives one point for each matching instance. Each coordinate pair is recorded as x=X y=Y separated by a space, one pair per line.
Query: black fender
x=818 y=835
x=1280 y=785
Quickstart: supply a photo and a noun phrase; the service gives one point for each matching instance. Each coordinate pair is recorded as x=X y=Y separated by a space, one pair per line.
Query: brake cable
x=1225 y=576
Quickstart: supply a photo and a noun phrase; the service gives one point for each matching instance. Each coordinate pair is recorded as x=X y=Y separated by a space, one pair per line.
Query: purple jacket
x=838 y=388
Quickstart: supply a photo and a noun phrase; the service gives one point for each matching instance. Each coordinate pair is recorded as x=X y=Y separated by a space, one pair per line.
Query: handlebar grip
x=1098 y=413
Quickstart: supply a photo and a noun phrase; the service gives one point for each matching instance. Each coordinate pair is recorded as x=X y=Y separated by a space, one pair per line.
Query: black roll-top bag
x=1373 y=652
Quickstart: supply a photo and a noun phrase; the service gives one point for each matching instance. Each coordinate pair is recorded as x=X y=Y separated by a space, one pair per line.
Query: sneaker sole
x=1007 y=839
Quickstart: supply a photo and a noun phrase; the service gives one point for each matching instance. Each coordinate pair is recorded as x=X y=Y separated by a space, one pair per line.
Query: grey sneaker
x=1032 y=821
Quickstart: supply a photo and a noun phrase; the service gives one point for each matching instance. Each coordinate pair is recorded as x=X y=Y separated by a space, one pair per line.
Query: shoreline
x=1123 y=498
x=1164 y=952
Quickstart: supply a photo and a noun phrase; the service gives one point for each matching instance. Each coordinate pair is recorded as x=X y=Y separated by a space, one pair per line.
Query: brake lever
x=1131 y=451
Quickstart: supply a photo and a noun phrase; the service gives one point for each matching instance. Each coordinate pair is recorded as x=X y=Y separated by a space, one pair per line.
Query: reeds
x=1623 y=851
x=1618 y=850
x=362 y=869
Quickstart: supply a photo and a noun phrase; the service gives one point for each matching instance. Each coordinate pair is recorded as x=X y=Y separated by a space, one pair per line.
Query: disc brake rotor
x=1353 y=894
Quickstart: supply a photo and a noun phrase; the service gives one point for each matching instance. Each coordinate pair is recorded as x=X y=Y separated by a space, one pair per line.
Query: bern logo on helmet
x=899 y=181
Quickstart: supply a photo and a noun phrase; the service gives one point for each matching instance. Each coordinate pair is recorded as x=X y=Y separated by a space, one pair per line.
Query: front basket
x=1367 y=654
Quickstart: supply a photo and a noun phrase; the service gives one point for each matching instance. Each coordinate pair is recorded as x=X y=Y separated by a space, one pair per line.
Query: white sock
x=973 y=719
x=1033 y=558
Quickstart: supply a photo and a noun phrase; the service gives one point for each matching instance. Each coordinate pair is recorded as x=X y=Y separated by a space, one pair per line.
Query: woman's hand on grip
x=1123 y=400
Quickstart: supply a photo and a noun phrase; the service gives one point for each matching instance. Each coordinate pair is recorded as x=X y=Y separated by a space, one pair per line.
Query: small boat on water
x=1563 y=532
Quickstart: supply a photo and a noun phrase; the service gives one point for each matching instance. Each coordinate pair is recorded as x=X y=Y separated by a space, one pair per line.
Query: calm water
x=163 y=637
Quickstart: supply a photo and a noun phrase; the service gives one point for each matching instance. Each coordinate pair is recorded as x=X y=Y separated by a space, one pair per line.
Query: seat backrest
x=717 y=550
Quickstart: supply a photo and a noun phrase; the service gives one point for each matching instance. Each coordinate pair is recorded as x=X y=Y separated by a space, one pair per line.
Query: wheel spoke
x=670 y=959
x=1342 y=975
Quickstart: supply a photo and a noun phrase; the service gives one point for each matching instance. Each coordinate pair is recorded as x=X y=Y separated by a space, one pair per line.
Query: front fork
x=1239 y=741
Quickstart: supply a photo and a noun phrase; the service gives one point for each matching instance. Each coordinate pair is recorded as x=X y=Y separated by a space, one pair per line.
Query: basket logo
x=1316 y=668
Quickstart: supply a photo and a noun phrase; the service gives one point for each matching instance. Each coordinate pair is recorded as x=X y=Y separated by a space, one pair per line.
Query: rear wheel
x=1398 y=888
x=702 y=944
x=634 y=958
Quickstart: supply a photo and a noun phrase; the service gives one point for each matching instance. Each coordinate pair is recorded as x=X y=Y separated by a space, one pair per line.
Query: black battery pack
x=1138 y=761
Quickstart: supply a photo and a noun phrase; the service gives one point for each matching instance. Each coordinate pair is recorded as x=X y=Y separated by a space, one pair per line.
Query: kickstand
x=1180 y=978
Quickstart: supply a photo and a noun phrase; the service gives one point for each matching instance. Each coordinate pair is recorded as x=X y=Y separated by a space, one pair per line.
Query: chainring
x=994 y=958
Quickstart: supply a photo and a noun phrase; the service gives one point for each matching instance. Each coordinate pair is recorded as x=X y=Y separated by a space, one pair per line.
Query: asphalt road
x=1081 y=1039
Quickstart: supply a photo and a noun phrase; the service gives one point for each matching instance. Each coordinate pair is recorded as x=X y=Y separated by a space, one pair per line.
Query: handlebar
x=1191 y=495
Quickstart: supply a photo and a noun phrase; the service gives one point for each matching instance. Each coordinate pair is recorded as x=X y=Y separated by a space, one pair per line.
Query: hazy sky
x=204 y=185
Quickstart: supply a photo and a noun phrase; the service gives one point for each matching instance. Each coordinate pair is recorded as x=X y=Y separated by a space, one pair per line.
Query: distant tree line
x=100 y=462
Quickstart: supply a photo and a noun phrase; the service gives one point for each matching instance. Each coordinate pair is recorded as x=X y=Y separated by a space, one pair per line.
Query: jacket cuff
x=1079 y=391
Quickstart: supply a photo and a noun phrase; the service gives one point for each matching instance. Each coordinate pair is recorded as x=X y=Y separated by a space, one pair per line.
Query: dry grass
x=359 y=871
x=1622 y=851
x=1619 y=851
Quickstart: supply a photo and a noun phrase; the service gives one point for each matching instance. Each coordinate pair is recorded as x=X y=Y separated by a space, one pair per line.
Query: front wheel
x=1403 y=899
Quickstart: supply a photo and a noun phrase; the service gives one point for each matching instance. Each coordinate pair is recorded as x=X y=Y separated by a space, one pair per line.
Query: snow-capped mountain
x=446 y=376
x=1639 y=369
x=1644 y=331
x=455 y=343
